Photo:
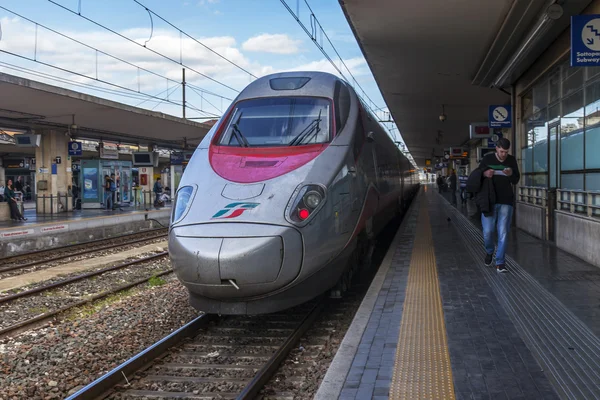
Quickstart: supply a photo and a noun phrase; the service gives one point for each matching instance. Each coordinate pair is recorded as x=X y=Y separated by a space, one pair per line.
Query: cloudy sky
x=258 y=36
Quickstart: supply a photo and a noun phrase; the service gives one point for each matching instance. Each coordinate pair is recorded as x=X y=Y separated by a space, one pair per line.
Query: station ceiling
x=435 y=54
x=29 y=104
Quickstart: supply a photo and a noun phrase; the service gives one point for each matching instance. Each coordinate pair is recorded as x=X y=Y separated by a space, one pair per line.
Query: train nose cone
x=224 y=261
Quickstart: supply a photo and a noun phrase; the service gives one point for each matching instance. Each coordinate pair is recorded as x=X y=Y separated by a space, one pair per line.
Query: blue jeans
x=108 y=200
x=501 y=220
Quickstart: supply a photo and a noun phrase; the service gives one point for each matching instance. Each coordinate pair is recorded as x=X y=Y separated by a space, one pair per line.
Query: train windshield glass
x=278 y=121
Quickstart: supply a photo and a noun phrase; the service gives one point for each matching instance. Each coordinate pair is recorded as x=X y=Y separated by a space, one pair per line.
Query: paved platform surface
x=76 y=215
x=521 y=335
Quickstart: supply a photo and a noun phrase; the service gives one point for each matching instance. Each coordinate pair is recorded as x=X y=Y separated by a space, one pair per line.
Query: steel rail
x=47 y=316
x=80 y=277
x=106 y=383
x=270 y=368
x=68 y=246
x=77 y=253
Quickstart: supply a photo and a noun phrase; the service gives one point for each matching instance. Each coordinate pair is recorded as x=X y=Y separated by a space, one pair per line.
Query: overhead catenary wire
x=39 y=74
x=196 y=40
x=144 y=46
x=312 y=34
x=147 y=96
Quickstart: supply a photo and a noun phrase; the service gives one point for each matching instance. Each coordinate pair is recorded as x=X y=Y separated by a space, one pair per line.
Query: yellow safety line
x=422 y=367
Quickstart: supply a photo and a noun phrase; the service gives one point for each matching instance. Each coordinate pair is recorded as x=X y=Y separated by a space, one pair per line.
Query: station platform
x=436 y=323
x=45 y=231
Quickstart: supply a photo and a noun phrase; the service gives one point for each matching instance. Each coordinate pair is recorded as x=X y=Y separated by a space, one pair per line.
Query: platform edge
x=333 y=382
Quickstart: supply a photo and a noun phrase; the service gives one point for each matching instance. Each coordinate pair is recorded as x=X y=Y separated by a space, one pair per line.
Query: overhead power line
x=95 y=78
x=316 y=30
x=196 y=40
x=180 y=62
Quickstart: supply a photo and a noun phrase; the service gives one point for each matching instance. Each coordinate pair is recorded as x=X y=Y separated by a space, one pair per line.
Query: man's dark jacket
x=485 y=196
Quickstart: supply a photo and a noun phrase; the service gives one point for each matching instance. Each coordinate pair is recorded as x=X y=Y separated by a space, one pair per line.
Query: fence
x=579 y=202
x=533 y=195
x=53 y=204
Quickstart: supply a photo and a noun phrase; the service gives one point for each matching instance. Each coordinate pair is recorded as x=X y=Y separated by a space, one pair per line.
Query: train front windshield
x=278 y=121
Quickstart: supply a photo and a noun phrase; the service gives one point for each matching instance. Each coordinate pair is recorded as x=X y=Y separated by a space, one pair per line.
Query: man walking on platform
x=503 y=170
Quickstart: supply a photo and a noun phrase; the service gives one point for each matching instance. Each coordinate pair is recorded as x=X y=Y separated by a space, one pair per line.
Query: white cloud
x=19 y=38
x=277 y=43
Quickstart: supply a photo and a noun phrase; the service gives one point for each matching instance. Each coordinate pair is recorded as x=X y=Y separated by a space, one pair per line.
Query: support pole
x=183 y=89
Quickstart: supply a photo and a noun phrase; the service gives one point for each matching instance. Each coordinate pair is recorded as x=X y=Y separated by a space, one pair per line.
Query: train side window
x=341 y=98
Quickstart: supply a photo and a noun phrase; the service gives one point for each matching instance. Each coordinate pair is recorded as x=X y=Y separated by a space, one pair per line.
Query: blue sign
x=176 y=158
x=585 y=40
x=500 y=117
x=75 y=148
x=492 y=142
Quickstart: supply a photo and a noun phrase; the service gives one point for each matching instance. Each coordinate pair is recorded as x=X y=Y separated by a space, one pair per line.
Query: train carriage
x=284 y=196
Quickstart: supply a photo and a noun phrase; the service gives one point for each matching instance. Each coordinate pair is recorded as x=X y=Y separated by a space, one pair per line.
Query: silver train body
x=239 y=240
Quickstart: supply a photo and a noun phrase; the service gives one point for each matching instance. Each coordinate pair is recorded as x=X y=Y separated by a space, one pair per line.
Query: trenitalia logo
x=234 y=210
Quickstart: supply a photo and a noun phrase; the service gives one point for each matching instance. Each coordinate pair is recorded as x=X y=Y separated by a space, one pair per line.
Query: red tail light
x=303 y=214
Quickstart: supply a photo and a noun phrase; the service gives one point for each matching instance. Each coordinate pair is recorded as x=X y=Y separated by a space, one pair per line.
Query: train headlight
x=305 y=202
x=312 y=199
x=183 y=201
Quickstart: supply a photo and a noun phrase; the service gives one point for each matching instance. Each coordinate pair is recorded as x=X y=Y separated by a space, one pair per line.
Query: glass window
x=527 y=105
x=540 y=156
x=540 y=143
x=592 y=72
x=540 y=96
x=571 y=150
x=592 y=182
x=572 y=79
x=572 y=181
x=592 y=104
x=554 y=113
x=526 y=159
x=278 y=121
x=553 y=150
x=592 y=148
x=539 y=180
x=572 y=106
x=527 y=180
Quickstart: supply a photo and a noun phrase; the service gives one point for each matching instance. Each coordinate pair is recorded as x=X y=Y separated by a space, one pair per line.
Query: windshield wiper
x=311 y=130
x=239 y=136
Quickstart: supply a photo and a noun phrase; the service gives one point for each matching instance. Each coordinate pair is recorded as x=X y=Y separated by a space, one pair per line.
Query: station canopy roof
x=27 y=104
x=434 y=55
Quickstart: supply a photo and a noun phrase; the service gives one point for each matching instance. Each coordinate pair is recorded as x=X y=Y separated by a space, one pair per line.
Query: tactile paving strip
x=422 y=366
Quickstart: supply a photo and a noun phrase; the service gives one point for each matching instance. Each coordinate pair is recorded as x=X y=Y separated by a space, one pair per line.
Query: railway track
x=210 y=357
x=61 y=305
x=33 y=259
x=271 y=357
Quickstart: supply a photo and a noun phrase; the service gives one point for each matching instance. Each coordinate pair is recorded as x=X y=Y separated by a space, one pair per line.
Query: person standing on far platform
x=440 y=183
x=157 y=192
x=503 y=170
x=9 y=193
x=452 y=184
x=463 y=187
x=108 y=194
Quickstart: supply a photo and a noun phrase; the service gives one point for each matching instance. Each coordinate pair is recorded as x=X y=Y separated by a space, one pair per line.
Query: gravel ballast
x=53 y=362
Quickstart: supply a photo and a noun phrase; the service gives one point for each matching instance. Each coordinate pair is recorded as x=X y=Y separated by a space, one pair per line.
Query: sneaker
x=501 y=269
x=488 y=259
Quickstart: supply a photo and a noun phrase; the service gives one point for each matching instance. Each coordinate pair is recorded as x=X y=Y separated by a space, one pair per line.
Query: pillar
x=147 y=186
x=52 y=179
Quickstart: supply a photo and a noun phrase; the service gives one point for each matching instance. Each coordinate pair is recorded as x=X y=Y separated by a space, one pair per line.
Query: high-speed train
x=282 y=199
